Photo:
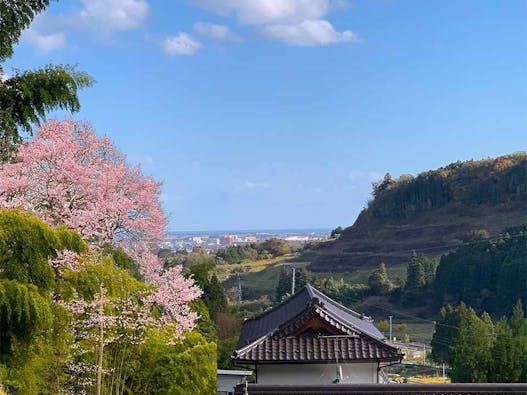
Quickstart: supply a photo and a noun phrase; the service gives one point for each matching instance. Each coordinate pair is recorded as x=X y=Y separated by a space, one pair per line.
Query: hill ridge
x=429 y=213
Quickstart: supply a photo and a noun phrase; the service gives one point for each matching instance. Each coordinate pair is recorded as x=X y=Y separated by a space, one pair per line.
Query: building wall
x=226 y=383
x=352 y=373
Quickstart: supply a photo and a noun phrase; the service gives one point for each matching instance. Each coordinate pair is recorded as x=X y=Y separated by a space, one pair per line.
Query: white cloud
x=294 y=22
x=181 y=44
x=309 y=33
x=48 y=31
x=258 y=12
x=220 y=32
x=115 y=14
x=45 y=42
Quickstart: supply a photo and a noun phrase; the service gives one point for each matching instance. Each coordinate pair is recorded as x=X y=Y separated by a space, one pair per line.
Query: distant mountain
x=430 y=213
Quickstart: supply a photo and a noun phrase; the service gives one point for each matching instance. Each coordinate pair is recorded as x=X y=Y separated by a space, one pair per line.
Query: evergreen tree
x=506 y=356
x=379 y=282
x=429 y=269
x=337 y=231
x=301 y=278
x=284 y=285
x=415 y=274
x=518 y=325
x=214 y=297
x=470 y=356
x=446 y=330
x=517 y=322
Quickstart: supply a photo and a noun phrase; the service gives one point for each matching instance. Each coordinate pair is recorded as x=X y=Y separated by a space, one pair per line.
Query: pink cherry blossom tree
x=68 y=176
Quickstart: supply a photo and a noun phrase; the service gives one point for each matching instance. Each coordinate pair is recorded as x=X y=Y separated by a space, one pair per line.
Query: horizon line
x=251 y=230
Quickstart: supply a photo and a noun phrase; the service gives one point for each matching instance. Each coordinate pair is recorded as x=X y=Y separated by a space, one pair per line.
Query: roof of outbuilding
x=262 y=337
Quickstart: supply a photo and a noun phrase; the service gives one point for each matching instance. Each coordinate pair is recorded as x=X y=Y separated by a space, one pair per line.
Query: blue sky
x=280 y=113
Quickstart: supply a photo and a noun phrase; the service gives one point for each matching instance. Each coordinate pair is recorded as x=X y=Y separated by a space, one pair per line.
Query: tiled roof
x=279 y=334
x=312 y=348
x=271 y=320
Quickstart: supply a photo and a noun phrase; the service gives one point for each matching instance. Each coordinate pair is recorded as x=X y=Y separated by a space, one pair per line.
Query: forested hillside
x=486 y=274
x=430 y=213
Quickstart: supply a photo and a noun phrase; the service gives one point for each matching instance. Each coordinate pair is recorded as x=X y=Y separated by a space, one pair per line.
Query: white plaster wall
x=306 y=374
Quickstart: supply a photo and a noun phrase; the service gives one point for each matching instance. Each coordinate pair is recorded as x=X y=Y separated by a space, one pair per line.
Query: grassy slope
x=258 y=278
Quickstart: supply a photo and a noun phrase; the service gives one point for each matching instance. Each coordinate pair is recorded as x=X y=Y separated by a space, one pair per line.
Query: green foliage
x=214 y=297
x=185 y=259
x=383 y=325
x=186 y=368
x=237 y=254
x=285 y=282
x=264 y=250
x=36 y=343
x=213 y=294
x=225 y=349
x=200 y=272
x=488 y=274
x=87 y=281
x=71 y=240
x=26 y=243
x=13 y=20
x=340 y=290
x=506 y=355
x=488 y=181
x=274 y=247
x=205 y=326
x=123 y=261
x=478 y=350
x=415 y=274
x=26 y=97
x=337 y=231
x=24 y=313
x=34 y=340
x=379 y=282
x=470 y=356
x=446 y=331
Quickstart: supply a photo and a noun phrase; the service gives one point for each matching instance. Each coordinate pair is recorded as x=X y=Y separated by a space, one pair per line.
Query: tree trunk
x=101 y=345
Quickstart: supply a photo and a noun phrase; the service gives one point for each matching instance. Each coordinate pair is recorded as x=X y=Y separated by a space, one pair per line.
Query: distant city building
x=214 y=240
x=227 y=239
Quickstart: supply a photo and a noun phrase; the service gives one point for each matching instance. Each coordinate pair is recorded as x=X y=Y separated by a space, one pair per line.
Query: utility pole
x=391 y=316
x=293 y=282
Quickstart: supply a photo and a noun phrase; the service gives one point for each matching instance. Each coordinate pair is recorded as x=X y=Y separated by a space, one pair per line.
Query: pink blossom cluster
x=65 y=259
x=67 y=175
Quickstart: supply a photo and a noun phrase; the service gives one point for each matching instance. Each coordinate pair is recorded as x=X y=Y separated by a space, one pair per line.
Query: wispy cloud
x=260 y=12
x=115 y=14
x=45 y=42
x=219 y=32
x=181 y=44
x=48 y=32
